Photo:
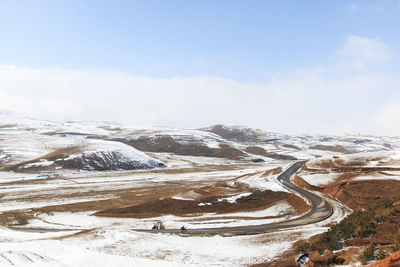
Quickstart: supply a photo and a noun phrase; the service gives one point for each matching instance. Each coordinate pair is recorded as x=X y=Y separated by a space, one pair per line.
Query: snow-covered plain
x=111 y=242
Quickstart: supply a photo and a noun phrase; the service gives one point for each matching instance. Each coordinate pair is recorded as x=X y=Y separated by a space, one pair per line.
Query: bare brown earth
x=361 y=194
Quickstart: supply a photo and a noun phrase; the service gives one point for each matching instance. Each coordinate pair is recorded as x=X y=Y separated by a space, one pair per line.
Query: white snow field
x=54 y=177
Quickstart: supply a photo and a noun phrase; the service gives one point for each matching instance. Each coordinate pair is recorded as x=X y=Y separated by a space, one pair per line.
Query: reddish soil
x=391 y=261
x=298 y=203
x=302 y=183
x=361 y=194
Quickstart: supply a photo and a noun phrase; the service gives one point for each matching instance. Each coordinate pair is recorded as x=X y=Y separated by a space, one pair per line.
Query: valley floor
x=41 y=216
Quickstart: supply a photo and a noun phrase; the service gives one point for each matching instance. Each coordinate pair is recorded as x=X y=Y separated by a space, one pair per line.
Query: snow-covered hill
x=28 y=144
x=92 y=155
x=33 y=145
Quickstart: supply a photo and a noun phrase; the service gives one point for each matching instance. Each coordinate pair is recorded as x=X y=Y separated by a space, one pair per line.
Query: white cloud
x=364 y=48
x=320 y=99
x=387 y=121
x=358 y=52
x=301 y=101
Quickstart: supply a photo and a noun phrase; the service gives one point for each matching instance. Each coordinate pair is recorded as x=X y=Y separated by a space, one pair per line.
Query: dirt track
x=320 y=211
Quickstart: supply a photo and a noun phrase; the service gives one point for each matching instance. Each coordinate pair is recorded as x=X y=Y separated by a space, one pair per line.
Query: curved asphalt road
x=320 y=211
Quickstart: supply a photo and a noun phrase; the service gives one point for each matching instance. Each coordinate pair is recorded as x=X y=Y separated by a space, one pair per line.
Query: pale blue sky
x=248 y=51
x=241 y=40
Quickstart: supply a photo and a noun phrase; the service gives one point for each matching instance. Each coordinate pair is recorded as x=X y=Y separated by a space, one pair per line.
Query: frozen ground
x=95 y=241
x=110 y=241
x=46 y=212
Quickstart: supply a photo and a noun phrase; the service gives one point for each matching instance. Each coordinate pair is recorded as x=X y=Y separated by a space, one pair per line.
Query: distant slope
x=28 y=144
x=237 y=133
x=167 y=143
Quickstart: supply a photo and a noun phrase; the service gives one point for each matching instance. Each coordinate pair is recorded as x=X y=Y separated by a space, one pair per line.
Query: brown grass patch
x=256 y=150
x=166 y=143
x=256 y=201
x=298 y=203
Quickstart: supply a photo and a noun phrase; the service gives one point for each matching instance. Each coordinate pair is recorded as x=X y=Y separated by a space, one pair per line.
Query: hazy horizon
x=286 y=67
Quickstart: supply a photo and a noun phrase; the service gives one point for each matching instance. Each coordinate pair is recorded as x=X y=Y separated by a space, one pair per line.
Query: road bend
x=320 y=210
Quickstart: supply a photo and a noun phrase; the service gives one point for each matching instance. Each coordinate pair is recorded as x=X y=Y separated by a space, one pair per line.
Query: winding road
x=320 y=211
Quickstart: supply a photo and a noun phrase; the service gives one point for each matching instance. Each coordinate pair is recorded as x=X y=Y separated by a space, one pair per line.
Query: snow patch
x=319 y=179
x=233 y=199
x=262 y=182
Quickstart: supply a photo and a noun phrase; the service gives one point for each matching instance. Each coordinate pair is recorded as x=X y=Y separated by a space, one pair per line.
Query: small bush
x=381 y=254
x=369 y=253
x=303 y=248
x=359 y=224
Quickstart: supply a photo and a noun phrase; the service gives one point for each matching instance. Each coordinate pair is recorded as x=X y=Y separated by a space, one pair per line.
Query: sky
x=327 y=67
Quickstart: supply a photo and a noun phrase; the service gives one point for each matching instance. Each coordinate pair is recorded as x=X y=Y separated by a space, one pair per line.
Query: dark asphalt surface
x=320 y=211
